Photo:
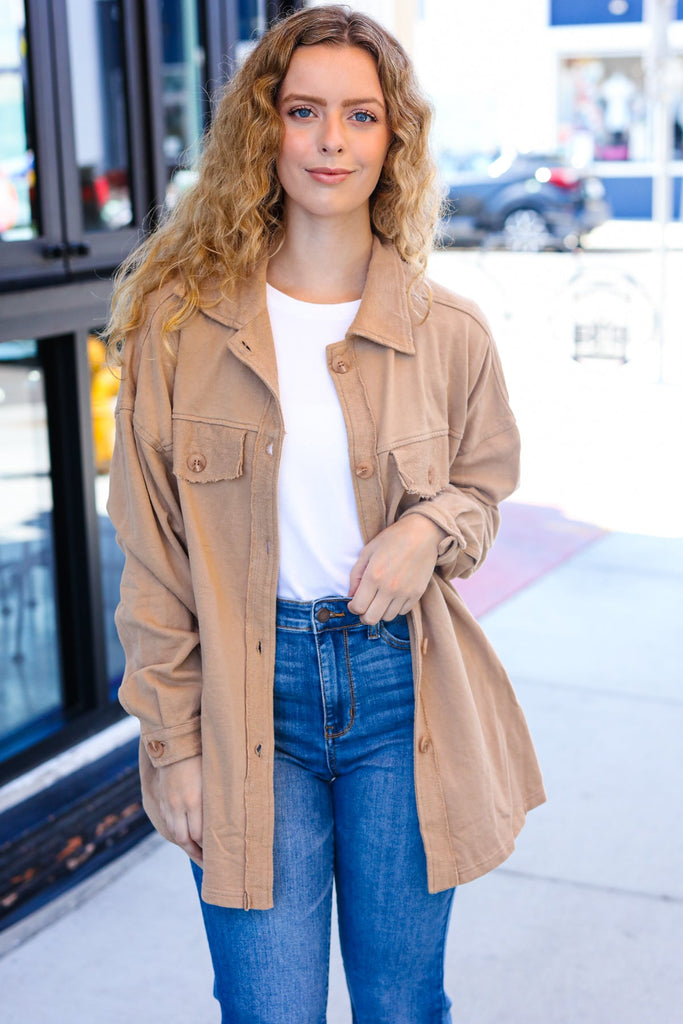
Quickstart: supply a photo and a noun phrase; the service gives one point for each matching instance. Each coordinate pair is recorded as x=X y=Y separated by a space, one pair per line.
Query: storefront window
x=18 y=216
x=31 y=691
x=100 y=112
x=252 y=17
x=104 y=385
x=184 y=90
x=603 y=109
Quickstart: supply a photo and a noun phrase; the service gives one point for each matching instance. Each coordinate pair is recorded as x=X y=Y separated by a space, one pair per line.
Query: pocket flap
x=423 y=465
x=206 y=452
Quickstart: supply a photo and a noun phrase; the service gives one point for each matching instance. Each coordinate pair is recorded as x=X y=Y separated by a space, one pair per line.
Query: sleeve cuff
x=449 y=546
x=166 y=746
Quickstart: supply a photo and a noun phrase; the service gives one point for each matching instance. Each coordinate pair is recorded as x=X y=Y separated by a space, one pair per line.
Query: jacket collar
x=385 y=315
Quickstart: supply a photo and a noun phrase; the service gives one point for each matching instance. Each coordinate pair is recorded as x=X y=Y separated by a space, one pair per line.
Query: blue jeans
x=344 y=811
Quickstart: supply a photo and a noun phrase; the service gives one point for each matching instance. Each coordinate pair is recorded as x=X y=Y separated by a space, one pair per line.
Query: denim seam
x=352 y=708
x=329 y=749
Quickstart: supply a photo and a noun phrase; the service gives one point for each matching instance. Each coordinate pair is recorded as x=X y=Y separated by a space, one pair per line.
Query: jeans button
x=323 y=615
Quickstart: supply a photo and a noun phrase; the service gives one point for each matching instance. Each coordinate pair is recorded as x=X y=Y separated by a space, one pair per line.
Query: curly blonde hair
x=232 y=217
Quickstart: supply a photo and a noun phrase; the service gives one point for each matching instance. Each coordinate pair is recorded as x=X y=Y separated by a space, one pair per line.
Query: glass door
x=184 y=94
x=100 y=93
x=31 y=692
x=31 y=241
x=78 y=169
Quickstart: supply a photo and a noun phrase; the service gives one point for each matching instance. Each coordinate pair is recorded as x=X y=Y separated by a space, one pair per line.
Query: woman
x=311 y=442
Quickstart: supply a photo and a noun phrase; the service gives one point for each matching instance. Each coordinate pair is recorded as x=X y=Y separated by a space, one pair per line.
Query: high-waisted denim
x=344 y=811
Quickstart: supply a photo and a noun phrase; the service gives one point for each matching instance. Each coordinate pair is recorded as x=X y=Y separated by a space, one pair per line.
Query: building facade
x=567 y=76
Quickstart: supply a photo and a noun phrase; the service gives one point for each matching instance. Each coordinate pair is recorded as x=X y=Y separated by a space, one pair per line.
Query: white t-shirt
x=320 y=538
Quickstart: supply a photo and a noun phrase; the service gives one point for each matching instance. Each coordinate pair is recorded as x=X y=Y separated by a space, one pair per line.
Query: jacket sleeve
x=484 y=471
x=156 y=616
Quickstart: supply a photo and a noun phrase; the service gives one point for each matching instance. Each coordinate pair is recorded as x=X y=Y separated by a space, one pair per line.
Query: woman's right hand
x=180 y=800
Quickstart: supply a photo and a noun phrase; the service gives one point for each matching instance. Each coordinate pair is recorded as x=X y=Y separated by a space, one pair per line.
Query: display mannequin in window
x=312 y=442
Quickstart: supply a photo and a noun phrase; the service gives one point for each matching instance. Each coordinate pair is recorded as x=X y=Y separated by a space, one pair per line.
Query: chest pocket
x=204 y=453
x=423 y=466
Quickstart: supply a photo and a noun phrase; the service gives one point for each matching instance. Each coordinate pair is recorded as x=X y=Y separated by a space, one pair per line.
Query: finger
x=195 y=825
x=357 y=573
x=363 y=598
x=194 y=842
x=407 y=606
x=397 y=607
x=194 y=851
x=379 y=608
x=179 y=831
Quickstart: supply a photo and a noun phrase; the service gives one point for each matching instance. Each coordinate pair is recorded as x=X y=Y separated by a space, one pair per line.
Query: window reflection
x=100 y=112
x=252 y=21
x=18 y=216
x=104 y=386
x=31 y=692
x=183 y=89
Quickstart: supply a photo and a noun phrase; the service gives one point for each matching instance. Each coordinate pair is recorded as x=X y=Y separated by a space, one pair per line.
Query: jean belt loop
x=373 y=631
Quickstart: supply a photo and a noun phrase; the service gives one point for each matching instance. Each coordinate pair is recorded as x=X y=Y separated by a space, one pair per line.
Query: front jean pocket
x=395 y=632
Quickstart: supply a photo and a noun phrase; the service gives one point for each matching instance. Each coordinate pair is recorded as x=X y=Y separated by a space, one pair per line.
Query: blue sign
x=600 y=12
x=594 y=12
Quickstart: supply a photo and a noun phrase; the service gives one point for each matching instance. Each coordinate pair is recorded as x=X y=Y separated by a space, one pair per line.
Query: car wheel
x=526 y=231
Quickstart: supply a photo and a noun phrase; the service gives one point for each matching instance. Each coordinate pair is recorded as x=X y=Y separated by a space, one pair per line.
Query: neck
x=323 y=262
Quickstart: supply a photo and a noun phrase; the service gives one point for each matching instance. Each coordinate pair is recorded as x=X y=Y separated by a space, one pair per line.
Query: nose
x=332 y=136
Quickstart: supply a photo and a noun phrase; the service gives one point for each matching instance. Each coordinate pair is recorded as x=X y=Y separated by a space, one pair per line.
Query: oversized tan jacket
x=194 y=502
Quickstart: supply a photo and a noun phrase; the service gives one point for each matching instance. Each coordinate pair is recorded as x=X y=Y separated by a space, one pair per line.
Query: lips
x=329 y=175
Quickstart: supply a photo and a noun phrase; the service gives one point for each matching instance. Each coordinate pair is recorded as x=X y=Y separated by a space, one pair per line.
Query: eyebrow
x=319 y=101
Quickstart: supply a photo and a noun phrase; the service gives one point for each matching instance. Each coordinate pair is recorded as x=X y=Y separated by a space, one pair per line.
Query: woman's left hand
x=394 y=568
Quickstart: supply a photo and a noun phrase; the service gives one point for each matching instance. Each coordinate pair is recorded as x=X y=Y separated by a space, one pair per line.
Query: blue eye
x=301 y=113
x=363 y=116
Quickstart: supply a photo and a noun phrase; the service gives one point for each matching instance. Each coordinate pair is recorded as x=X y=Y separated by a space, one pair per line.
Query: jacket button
x=365 y=470
x=424 y=745
x=340 y=365
x=155 y=748
x=323 y=615
x=196 y=462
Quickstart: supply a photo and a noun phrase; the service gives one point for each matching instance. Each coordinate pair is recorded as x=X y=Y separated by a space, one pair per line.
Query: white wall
x=490 y=72
x=487 y=66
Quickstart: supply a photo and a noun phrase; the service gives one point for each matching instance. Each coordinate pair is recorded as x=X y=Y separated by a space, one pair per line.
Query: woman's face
x=336 y=134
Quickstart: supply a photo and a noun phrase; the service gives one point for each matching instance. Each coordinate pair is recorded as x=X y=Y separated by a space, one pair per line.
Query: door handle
x=78 y=249
x=54 y=250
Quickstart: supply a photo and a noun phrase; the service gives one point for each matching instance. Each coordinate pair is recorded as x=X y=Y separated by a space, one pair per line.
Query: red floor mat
x=532 y=540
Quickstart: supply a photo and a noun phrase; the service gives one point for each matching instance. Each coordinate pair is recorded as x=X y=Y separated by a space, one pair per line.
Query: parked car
x=524 y=201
